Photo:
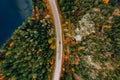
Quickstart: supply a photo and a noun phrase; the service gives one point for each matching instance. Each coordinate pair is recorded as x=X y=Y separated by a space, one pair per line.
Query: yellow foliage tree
x=107 y=27
x=48 y=6
x=105 y=1
x=66 y=57
x=80 y=48
x=65 y=41
x=52 y=62
x=7 y=53
x=68 y=35
x=50 y=41
x=11 y=44
x=52 y=46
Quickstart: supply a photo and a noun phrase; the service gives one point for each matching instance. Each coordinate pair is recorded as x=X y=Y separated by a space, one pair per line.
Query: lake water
x=12 y=14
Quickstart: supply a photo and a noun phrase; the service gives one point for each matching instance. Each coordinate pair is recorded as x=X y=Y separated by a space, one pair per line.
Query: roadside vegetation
x=91 y=31
x=29 y=53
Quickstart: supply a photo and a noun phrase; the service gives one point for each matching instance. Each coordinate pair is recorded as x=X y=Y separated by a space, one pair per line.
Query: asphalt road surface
x=58 y=63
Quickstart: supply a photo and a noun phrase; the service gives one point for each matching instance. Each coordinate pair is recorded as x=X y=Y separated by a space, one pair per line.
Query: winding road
x=58 y=63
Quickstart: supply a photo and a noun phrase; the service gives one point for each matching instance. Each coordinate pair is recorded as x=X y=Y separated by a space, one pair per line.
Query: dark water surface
x=12 y=14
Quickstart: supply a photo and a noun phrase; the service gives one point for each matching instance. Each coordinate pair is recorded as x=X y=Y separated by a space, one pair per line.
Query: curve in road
x=58 y=63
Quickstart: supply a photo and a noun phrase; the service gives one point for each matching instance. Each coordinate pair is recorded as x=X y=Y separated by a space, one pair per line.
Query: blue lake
x=12 y=14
